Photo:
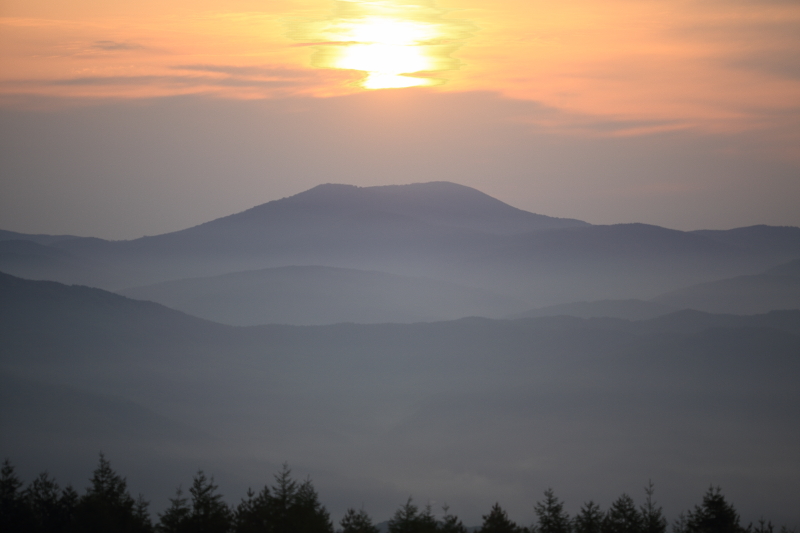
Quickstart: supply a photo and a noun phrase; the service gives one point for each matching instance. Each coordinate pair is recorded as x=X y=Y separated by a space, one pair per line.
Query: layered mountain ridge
x=438 y=234
x=600 y=400
x=610 y=382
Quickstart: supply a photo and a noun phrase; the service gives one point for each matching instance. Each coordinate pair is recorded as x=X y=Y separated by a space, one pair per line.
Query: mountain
x=759 y=239
x=322 y=295
x=377 y=412
x=626 y=309
x=29 y=252
x=38 y=239
x=777 y=288
x=440 y=231
x=410 y=229
x=437 y=203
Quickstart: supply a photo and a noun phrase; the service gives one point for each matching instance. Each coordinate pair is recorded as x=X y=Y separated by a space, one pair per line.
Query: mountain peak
x=438 y=202
x=430 y=192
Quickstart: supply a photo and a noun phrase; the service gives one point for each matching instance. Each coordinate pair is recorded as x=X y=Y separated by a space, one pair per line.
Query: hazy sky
x=122 y=118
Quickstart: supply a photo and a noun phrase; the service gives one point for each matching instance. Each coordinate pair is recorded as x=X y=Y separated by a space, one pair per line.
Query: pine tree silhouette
x=714 y=515
x=653 y=520
x=210 y=514
x=622 y=517
x=287 y=507
x=357 y=522
x=15 y=515
x=405 y=519
x=589 y=519
x=497 y=522
x=551 y=515
x=450 y=523
x=176 y=518
x=107 y=506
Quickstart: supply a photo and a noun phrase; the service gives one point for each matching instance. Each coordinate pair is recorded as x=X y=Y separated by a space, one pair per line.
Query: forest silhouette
x=293 y=506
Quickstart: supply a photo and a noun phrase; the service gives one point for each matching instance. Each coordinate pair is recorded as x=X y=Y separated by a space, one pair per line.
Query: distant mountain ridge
x=440 y=231
x=625 y=309
x=306 y=295
x=438 y=202
x=6 y=235
x=777 y=288
x=421 y=213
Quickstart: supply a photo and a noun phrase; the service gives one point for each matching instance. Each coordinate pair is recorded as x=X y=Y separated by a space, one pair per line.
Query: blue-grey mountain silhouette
x=308 y=295
x=777 y=288
x=440 y=231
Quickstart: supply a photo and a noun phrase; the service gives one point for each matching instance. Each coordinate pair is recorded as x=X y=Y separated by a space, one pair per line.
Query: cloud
x=252 y=71
x=185 y=81
x=198 y=77
x=116 y=45
x=782 y=65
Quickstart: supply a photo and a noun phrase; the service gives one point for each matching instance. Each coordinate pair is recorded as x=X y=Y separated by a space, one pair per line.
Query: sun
x=396 y=44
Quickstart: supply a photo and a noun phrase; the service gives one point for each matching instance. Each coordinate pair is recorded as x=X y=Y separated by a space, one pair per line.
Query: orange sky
x=660 y=64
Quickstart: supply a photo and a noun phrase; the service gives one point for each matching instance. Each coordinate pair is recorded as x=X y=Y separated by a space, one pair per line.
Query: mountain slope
x=436 y=230
x=441 y=203
x=625 y=309
x=777 y=288
x=322 y=295
x=413 y=229
x=759 y=239
x=6 y=235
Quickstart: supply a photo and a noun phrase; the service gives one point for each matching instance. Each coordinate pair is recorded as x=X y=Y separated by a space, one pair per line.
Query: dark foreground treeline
x=290 y=506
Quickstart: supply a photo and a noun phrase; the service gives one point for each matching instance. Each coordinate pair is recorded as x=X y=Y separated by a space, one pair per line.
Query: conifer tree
x=764 y=526
x=357 y=522
x=308 y=515
x=210 y=514
x=679 y=525
x=253 y=514
x=714 y=515
x=288 y=507
x=551 y=515
x=589 y=519
x=427 y=522
x=141 y=514
x=653 y=520
x=176 y=518
x=69 y=505
x=51 y=508
x=107 y=506
x=15 y=515
x=451 y=523
x=497 y=522
x=283 y=496
x=622 y=517
x=405 y=519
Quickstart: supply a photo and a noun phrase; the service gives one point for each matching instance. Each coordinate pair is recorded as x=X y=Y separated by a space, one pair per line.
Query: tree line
x=292 y=506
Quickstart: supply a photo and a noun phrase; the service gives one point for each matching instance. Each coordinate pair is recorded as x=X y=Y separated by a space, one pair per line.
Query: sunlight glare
x=395 y=43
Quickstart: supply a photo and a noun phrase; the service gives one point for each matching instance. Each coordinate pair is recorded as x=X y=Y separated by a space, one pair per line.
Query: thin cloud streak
x=187 y=81
x=114 y=46
x=255 y=71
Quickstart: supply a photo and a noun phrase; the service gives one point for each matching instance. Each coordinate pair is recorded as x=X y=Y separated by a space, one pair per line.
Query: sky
x=120 y=119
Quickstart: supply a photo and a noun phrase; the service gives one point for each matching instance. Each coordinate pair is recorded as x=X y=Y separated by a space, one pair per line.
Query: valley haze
x=422 y=339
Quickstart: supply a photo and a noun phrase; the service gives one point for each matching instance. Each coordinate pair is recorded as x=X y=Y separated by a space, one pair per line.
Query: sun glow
x=396 y=43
